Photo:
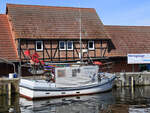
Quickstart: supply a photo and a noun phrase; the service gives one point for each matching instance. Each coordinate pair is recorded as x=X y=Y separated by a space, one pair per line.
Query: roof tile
x=46 y=22
x=7 y=47
x=129 y=39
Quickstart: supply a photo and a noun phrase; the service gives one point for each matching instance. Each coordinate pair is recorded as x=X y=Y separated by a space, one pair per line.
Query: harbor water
x=119 y=100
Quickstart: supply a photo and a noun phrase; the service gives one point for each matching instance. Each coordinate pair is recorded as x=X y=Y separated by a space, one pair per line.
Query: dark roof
x=129 y=39
x=7 y=47
x=49 y=22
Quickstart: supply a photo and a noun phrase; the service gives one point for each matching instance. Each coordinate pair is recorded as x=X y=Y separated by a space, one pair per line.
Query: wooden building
x=54 y=32
x=128 y=40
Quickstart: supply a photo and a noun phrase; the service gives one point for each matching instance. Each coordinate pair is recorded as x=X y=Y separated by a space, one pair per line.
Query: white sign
x=138 y=58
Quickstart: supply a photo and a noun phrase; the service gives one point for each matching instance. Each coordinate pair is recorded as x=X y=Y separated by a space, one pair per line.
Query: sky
x=111 y=12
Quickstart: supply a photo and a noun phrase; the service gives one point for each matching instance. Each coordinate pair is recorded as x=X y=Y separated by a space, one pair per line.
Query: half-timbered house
x=67 y=34
x=55 y=33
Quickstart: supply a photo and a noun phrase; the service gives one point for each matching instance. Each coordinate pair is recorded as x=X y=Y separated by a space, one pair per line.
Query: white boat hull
x=33 y=93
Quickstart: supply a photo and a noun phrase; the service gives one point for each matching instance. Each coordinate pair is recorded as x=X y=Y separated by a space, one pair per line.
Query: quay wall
x=132 y=79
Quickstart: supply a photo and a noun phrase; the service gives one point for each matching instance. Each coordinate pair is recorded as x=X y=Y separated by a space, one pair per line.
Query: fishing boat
x=68 y=81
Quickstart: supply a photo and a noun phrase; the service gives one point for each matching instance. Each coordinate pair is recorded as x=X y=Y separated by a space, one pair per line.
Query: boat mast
x=80 y=23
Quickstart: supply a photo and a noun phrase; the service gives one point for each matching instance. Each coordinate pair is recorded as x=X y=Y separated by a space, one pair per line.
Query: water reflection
x=82 y=104
x=132 y=100
x=9 y=105
x=127 y=95
x=120 y=100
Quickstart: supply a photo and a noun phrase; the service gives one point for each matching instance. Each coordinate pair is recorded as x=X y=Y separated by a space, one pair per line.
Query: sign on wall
x=138 y=58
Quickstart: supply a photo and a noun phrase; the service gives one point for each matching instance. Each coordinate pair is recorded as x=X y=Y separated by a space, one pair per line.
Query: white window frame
x=41 y=45
x=64 y=45
x=93 y=45
x=68 y=44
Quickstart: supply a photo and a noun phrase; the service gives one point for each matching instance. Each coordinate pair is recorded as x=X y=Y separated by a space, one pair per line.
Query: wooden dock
x=9 y=86
x=133 y=79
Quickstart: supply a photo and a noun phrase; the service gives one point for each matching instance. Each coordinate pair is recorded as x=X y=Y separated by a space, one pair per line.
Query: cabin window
x=61 y=73
x=39 y=45
x=75 y=72
x=91 y=45
x=69 y=45
x=62 y=45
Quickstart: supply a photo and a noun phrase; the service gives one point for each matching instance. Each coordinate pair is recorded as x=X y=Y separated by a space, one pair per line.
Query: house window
x=91 y=45
x=39 y=45
x=69 y=45
x=62 y=45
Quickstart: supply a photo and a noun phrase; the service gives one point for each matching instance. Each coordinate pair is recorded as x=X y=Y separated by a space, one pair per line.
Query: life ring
x=97 y=63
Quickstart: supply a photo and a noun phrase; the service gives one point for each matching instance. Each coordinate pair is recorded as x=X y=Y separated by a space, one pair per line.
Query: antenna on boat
x=80 y=23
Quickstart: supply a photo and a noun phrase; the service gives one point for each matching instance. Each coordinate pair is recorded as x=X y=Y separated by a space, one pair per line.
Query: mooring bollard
x=9 y=90
x=5 y=89
x=132 y=86
x=9 y=93
x=1 y=89
x=132 y=82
